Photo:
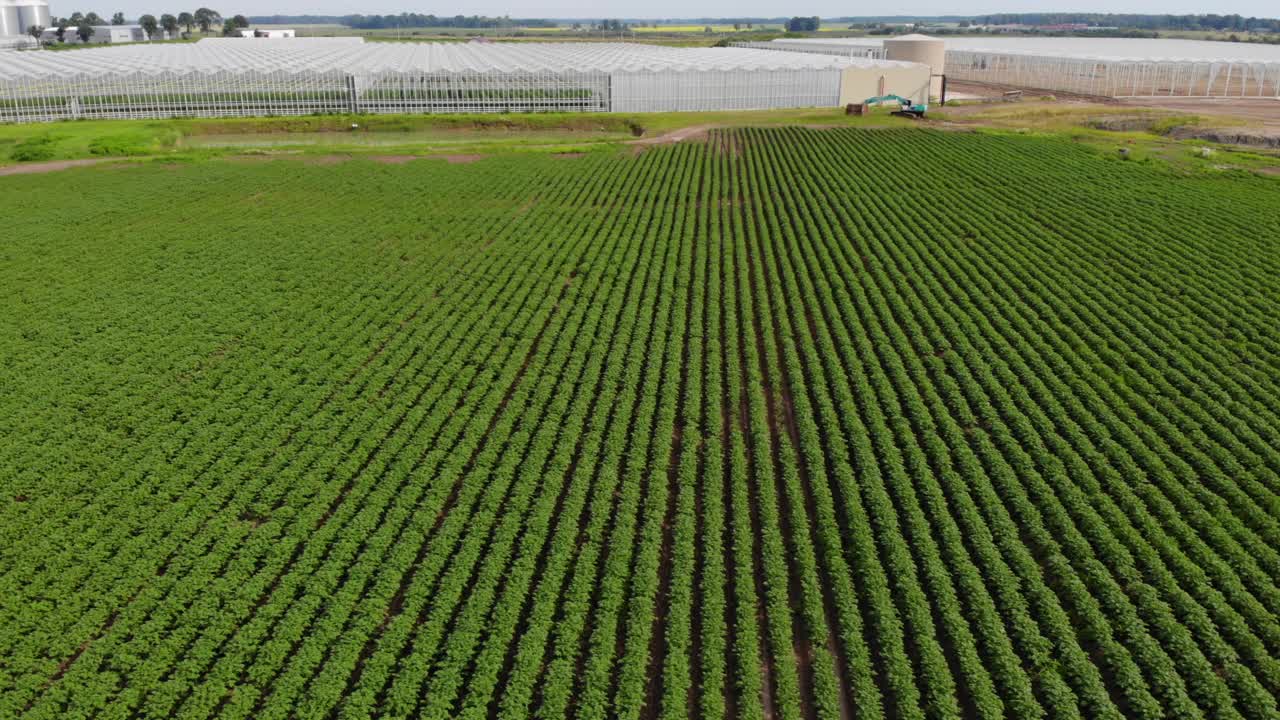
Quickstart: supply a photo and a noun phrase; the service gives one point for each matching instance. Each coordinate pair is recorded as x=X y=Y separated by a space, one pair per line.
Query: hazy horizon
x=661 y=9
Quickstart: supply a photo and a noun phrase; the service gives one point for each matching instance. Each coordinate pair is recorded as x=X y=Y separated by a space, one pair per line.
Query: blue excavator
x=906 y=107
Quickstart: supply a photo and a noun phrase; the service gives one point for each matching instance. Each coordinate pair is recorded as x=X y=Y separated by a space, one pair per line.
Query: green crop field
x=789 y=423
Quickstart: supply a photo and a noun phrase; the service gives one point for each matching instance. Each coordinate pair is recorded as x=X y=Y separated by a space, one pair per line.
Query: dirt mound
x=1229 y=136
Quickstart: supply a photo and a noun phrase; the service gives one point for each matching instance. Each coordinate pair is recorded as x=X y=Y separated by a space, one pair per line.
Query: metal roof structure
x=354 y=56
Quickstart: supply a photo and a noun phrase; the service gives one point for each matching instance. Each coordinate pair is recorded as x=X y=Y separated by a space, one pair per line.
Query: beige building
x=908 y=80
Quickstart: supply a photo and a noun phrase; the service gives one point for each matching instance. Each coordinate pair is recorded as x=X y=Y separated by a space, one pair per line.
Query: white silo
x=9 y=24
x=921 y=49
x=32 y=13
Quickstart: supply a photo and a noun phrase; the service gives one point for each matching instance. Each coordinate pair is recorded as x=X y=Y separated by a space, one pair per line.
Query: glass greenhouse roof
x=351 y=55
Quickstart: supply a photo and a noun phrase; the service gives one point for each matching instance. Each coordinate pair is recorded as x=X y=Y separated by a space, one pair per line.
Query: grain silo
x=32 y=13
x=920 y=49
x=16 y=16
x=9 y=24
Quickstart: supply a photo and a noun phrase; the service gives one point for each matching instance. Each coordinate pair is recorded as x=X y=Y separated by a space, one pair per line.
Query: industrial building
x=275 y=34
x=237 y=77
x=102 y=34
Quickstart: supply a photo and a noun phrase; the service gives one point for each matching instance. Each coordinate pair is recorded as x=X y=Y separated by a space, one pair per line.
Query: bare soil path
x=685 y=133
x=50 y=166
x=1263 y=110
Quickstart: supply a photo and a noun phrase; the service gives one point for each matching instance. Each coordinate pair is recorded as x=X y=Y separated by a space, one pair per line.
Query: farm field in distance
x=783 y=423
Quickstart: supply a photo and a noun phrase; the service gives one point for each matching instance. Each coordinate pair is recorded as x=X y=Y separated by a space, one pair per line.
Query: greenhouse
x=1119 y=77
x=853 y=47
x=1111 y=67
x=242 y=77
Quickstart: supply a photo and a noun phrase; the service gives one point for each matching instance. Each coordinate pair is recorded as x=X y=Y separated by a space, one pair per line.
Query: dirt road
x=1262 y=110
x=50 y=166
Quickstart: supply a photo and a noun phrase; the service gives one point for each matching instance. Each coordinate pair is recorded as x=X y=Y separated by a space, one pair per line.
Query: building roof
x=351 y=55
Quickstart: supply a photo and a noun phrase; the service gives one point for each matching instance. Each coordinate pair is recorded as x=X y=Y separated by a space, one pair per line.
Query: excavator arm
x=908 y=108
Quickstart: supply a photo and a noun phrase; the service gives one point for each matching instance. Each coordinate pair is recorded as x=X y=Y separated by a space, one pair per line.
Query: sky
x=669 y=8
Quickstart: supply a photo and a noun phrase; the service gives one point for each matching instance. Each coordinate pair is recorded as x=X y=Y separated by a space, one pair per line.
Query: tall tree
x=803 y=24
x=117 y=19
x=61 y=29
x=85 y=31
x=169 y=24
x=94 y=18
x=36 y=31
x=149 y=25
x=186 y=20
x=207 y=18
x=76 y=18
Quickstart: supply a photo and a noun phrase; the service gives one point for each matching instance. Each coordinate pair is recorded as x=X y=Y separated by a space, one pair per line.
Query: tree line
x=1145 y=22
x=418 y=20
x=83 y=24
x=804 y=24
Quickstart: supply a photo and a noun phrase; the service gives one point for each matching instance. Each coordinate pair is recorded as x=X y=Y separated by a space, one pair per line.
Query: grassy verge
x=1128 y=133
x=554 y=132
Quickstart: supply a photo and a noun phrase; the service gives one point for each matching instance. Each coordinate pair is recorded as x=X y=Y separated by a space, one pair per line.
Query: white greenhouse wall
x=724 y=90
